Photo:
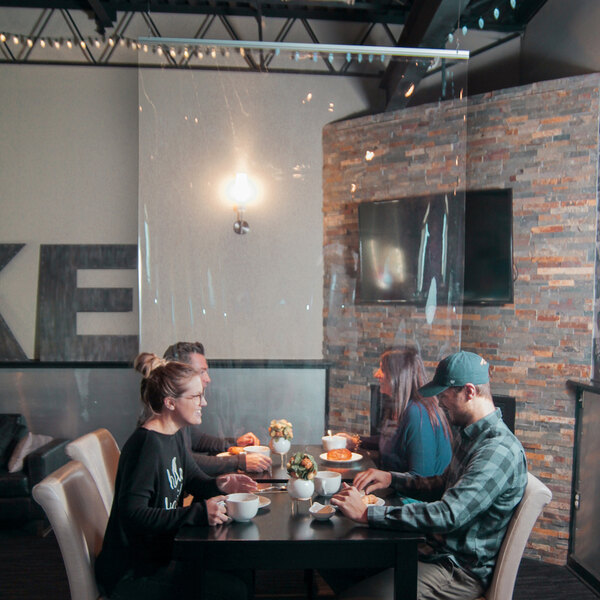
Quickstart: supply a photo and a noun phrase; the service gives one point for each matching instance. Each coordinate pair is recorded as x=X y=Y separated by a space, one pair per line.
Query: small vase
x=300 y=489
x=281 y=445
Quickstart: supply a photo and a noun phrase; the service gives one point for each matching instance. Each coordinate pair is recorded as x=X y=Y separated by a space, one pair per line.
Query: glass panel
x=290 y=157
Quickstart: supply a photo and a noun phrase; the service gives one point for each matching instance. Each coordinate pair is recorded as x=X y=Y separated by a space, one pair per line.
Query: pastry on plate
x=339 y=454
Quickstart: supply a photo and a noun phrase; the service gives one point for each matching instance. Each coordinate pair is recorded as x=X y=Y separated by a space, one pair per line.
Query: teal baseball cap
x=457 y=370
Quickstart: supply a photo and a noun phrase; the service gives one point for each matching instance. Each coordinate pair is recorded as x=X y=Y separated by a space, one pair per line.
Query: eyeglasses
x=198 y=397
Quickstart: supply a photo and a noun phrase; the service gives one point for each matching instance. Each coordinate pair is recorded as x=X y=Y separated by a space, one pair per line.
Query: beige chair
x=99 y=452
x=78 y=517
x=537 y=495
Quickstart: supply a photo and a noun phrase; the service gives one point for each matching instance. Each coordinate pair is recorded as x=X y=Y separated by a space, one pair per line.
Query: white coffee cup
x=241 y=507
x=258 y=449
x=327 y=483
x=333 y=442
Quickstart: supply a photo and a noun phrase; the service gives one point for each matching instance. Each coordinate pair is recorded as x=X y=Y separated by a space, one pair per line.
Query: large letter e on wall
x=59 y=301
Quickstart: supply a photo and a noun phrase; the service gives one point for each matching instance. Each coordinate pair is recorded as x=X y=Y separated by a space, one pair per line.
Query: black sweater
x=154 y=471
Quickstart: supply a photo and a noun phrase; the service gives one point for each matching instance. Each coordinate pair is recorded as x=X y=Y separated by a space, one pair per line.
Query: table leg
x=406 y=571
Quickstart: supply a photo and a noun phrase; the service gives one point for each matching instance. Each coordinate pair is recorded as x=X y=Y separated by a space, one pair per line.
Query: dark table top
x=278 y=474
x=283 y=521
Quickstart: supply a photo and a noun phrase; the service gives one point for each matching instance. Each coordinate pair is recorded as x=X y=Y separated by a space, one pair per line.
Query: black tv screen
x=412 y=249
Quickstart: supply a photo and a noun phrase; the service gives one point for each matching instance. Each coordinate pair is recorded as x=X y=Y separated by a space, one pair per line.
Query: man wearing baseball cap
x=465 y=511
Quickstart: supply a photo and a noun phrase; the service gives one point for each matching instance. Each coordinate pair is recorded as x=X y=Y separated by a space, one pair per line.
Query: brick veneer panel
x=541 y=140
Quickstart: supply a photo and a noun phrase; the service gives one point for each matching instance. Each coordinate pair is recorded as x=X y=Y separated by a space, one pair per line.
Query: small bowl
x=321 y=512
x=258 y=449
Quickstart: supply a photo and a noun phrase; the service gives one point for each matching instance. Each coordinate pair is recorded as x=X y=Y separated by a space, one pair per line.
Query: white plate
x=380 y=502
x=263 y=501
x=355 y=457
x=222 y=454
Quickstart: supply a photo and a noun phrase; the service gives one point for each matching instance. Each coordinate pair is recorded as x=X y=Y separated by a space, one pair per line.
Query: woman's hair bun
x=146 y=362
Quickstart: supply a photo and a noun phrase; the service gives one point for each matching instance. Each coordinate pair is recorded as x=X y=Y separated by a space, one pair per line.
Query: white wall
x=68 y=175
x=254 y=296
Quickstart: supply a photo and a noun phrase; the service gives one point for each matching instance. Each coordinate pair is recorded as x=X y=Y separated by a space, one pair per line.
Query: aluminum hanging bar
x=301 y=47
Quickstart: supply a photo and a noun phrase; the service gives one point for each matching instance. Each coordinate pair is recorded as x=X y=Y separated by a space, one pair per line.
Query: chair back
x=536 y=496
x=99 y=452
x=78 y=517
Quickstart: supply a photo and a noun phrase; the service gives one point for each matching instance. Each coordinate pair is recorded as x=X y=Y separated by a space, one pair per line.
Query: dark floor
x=31 y=568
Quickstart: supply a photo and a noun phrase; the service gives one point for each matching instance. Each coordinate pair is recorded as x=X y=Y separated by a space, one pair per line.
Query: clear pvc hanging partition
x=282 y=219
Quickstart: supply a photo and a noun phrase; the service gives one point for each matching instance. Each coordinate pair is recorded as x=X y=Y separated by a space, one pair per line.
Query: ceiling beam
x=427 y=25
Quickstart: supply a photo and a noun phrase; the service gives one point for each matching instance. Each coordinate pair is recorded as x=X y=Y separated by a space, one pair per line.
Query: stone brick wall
x=541 y=140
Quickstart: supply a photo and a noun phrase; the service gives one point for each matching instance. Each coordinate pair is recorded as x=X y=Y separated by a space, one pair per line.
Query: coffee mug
x=241 y=507
x=327 y=483
x=333 y=442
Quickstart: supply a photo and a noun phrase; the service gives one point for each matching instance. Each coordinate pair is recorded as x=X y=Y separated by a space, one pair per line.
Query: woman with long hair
x=155 y=471
x=414 y=434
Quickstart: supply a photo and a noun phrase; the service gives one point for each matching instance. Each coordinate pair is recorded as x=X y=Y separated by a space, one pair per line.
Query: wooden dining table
x=283 y=535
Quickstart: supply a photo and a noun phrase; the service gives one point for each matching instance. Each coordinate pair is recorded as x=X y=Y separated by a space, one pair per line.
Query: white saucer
x=263 y=501
x=222 y=454
x=354 y=458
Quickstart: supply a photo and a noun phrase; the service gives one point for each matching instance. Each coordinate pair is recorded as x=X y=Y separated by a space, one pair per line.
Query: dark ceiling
x=405 y=23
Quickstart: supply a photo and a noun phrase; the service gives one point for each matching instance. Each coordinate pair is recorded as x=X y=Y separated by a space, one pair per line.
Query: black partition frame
x=573 y=563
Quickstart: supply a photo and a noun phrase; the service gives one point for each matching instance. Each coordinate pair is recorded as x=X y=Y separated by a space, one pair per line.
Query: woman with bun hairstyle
x=154 y=472
x=414 y=435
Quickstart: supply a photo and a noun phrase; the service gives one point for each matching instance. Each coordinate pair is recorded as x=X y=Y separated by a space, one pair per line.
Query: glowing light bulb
x=450 y=37
x=213 y=53
x=43 y=43
x=241 y=190
x=513 y=4
x=82 y=44
x=172 y=53
x=200 y=54
x=330 y=57
x=57 y=44
x=496 y=14
x=481 y=22
x=69 y=44
x=465 y=29
x=15 y=40
x=2 y=38
x=29 y=42
x=348 y=57
x=159 y=51
x=410 y=90
x=111 y=41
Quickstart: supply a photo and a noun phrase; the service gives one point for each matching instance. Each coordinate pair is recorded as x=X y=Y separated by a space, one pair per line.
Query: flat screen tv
x=428 y=249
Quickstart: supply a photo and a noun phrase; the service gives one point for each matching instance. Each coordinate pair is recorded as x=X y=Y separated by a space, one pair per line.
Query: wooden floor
x=31 y=568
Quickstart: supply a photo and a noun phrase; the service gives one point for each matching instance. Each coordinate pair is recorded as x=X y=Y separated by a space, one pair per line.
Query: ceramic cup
x=327 y=483
x=241 y=507
x=259 y=449
x=333 y=442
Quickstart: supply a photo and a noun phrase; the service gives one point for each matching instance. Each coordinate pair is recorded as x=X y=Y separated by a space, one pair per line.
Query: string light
x=2 y=38
x=481 y=23
x=69 y=44
x=29 y=42
x=513 y=4
x=111 y=41
x=82 y=44
x=496 y=14
x=15 y=40
x=43 y=43
x=57 y=44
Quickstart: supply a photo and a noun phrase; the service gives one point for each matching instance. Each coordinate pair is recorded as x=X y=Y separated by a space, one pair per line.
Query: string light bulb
x=29 y=42
x=83 y=44
x=496 y=14
x=15 y=40
x=513 y=4
x=2 y=38
x=57 y=44
x=43 y=43
x=111 y=41
x=481 y=22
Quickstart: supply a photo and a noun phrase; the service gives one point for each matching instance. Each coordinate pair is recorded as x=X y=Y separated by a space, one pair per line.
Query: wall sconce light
x=241 y=191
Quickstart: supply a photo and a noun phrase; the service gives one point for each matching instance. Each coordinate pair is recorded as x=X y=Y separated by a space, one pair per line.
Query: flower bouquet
x=281 y=428
x=302 y=469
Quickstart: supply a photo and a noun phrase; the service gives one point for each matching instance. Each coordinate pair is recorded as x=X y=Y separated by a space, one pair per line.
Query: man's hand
x=372 y=479
x=349 y=501
x=248 y=439
x=216 y=511
x=234 y=483
x=257 y=463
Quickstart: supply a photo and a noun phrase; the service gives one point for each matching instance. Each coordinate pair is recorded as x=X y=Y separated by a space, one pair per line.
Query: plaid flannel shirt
x=466 y=510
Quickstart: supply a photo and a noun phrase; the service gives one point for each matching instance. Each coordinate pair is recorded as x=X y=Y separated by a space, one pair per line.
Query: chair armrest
x=43 y=461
